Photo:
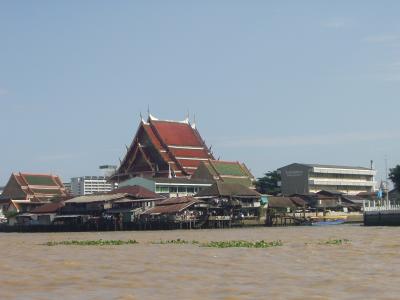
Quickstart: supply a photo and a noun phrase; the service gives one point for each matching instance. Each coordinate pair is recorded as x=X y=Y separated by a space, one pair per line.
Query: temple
x=25 y=191
x=163 y=149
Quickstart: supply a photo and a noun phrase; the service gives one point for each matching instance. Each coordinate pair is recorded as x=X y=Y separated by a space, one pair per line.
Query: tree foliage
x=394 y=176
x=269 y=183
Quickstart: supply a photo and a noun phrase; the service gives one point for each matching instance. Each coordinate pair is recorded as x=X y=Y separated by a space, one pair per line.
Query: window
x=162 y=189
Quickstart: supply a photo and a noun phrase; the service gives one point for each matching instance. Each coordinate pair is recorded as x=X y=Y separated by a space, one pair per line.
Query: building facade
x=169 y=187
x=299 y=178
x=87 y=185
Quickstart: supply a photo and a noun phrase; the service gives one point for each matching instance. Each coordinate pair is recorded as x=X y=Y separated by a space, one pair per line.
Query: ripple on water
x=367 y=267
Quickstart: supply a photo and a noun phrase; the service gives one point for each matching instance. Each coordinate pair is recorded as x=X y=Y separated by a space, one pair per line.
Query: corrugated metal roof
x=136 y=191
x=227 y=189
x=98 y=198
x=333 y=166
x=48 y=208
x=172 y=205
x=280 y=202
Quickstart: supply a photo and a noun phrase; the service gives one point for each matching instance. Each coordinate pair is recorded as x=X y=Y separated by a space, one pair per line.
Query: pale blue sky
x=270 y=82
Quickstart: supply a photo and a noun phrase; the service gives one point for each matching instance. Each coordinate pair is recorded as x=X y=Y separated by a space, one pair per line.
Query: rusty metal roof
x=172 y=206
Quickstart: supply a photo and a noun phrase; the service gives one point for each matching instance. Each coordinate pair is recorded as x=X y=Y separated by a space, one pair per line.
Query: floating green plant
x=177 y=241
x=91 y=242
x=335 y=242
x=242 y=244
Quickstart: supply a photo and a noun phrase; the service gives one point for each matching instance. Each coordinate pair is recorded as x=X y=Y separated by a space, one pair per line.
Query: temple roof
x=34 y=187
x=226 y=171
x=168 y=146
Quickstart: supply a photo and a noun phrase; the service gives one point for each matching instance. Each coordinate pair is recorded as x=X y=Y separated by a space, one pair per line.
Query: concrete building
x=169 y=187
x=108 y=170
x=299 y=178
x=67 y=186
x=87 y=185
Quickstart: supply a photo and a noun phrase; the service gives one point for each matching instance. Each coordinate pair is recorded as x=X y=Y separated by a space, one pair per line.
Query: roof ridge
x=226 y=161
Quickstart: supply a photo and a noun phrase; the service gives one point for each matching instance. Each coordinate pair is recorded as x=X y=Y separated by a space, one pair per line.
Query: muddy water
x=366 y=268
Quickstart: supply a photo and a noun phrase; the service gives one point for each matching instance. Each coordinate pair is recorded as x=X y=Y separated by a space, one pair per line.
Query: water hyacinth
x=334 y=242
x=242 y=244
x=91 y=243
x=177 y=241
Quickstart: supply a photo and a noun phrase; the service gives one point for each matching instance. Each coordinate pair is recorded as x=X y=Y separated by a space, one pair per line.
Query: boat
x=328 y=223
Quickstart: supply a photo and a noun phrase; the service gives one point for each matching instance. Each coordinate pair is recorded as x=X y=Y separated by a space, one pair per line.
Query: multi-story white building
x=311 y=178
x=87 y=185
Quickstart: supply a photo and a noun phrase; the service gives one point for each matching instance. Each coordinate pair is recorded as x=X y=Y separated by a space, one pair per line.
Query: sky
x=269 y=83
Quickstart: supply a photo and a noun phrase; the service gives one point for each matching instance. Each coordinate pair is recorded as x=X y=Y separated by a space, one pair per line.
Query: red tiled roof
x=152 y=136
x=176 y=133
x=198 y=153
x=173 y=141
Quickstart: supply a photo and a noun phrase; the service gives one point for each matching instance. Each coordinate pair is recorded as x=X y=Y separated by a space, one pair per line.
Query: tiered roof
x=164 y=148
x=33 y=187
x=225 y=171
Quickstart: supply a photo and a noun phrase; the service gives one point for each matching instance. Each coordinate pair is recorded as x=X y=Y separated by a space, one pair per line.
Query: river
x=304 y=267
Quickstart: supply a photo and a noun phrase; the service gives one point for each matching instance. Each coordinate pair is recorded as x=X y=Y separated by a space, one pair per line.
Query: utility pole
x=386 y=183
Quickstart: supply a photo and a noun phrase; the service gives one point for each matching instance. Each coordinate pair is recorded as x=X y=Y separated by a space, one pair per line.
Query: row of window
x=340 y=176
x=340 y=187
x=180 y=189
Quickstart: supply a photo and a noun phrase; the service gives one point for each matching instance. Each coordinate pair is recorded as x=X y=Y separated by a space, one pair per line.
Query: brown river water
x=367 y=267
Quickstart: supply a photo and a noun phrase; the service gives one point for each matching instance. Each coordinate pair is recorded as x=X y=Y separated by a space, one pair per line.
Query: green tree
x=269 y=183
x=394 y=176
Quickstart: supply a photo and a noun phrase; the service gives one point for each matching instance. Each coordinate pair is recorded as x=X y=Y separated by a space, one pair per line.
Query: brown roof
x=280 y=202
x=298 y=201
x=227 y=189
x=172 y=205
x=136 y=191
x=48 y=208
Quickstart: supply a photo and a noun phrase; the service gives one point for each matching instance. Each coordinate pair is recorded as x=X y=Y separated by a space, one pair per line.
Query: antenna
x=148 y=110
